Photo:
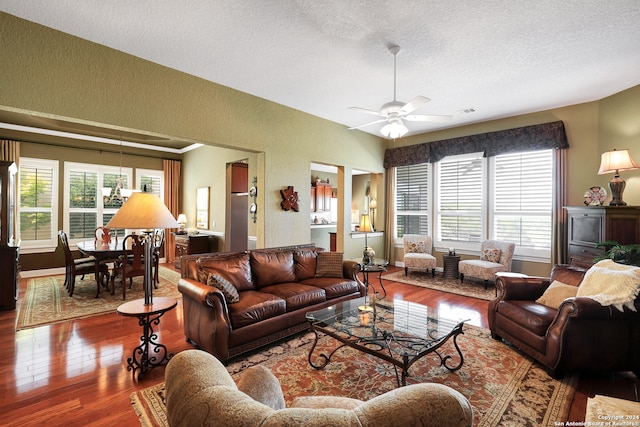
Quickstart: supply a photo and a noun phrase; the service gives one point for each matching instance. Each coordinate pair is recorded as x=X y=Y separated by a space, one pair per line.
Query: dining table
x=101 y=251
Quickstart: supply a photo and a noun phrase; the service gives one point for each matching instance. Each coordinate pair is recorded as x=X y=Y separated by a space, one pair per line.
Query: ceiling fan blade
x=428 y=118
x=364 y=110
x=367 y=124
x=414 y=104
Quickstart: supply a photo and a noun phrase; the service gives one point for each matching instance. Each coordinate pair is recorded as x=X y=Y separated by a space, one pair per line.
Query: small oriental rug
x=47 y=301
x=470 y=287
x=503 y=386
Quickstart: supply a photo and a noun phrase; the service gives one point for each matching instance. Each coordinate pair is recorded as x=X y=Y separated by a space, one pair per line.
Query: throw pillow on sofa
x=329 y=264
x=229 y=291
x=556 y=293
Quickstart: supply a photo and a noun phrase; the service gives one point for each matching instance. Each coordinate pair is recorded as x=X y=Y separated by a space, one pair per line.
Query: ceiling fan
x=395 y=112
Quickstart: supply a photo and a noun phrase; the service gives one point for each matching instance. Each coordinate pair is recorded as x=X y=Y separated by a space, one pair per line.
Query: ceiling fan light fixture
x=394 y=129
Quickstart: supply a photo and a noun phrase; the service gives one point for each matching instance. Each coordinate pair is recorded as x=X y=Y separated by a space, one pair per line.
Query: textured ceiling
x=499 y=58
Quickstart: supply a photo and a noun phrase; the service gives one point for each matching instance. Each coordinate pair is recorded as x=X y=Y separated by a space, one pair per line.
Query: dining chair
x=130 y=264
x=105 y=235
x=81 y=266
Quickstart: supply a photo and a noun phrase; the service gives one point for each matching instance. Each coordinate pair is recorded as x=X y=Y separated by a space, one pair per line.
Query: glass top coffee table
x=399 y=332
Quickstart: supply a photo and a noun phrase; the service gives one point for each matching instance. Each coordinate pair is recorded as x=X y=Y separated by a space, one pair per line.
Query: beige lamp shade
x=143 y=210
x=615 y=161
x=365 y=224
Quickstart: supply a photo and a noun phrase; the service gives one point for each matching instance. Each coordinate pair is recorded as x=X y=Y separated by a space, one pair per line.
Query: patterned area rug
x=503 y=386
x=470 y=287
x=47 y=301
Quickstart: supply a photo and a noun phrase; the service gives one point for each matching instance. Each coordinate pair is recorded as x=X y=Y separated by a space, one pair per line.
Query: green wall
x=53 y=74
x=47 y=73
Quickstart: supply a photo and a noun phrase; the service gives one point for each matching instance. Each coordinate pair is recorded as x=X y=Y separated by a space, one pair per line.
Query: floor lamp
x=142 y=211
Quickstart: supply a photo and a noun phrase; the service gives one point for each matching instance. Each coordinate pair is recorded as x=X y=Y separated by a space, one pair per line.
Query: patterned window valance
x=528 y=138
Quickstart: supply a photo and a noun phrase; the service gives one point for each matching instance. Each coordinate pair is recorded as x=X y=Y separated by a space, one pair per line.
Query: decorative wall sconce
x=289 y=199
x=253 y=193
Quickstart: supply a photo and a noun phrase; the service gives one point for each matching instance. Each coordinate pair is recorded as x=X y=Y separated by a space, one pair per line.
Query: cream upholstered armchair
x=199 y=391
x=495 y=256
x=417 y=253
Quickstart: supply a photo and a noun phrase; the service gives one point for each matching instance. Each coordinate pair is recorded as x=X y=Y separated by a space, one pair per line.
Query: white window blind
x=38 y=218
x=460 y=199
x=84 y=206
x=412 y=199
x=522 y=202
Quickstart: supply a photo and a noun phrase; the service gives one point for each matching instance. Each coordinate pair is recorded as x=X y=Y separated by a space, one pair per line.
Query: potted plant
x=622 y=254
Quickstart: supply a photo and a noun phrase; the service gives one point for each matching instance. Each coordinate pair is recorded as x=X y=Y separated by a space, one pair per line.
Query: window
x=522 y=201
x=412 y=199
x=508 y=197
x=151 y=181
x=84 y=207
x=38 y=219
x=460 y=201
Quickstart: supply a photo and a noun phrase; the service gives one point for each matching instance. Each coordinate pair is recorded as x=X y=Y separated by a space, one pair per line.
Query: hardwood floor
x=74 y=373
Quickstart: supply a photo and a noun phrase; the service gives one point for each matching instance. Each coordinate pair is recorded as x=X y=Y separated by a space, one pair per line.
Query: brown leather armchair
x=581 y=335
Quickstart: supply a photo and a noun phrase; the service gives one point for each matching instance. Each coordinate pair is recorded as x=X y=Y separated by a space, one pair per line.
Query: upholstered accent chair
x=495 y=257
x=199 y=391
x=417 y=253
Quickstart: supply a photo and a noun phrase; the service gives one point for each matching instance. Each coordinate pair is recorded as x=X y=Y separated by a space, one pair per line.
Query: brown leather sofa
x=276 y=288
x=581 y=335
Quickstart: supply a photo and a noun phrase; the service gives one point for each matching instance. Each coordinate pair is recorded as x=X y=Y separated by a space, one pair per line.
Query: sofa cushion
x=305 y=264
x=556 y=293
x=228 y=290
x=233 y=267
x=530 y=315
x=334 y=287
x=296 y=295
x=329 y=264
x=260 y=383
x=272 y=267
x=255 y=306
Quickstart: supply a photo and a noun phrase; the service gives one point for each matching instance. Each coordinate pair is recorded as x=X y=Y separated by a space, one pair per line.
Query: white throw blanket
x=610 y=283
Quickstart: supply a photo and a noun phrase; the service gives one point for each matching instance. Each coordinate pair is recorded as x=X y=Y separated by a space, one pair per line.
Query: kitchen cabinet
x=321 y=197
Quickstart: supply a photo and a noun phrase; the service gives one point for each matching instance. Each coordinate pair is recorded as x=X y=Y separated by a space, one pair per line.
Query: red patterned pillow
x=491 y=255
x=329 y=264
x=417 y=246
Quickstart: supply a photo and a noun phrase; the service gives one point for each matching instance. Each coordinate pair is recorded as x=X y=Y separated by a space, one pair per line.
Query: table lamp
x=144 y=210
x=365 y=227
x=182 y=220
x=614 y=162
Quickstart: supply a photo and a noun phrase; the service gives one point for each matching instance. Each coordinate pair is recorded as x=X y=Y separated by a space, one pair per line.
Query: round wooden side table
x=450 y=270
x=150 y=353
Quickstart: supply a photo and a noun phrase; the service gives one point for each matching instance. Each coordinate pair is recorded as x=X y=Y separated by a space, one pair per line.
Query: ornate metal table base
x=150 y=353
x=400 y=349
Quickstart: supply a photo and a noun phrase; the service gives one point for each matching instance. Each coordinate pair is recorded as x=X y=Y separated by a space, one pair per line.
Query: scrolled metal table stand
x=144 y=356
x=150 y=353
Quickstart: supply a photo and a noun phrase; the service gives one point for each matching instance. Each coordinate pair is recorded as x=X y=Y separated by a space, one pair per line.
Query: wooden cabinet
x=239 y=177
x=9 y=254
x=187 y=245
x=590 y=225
x=320 y=197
